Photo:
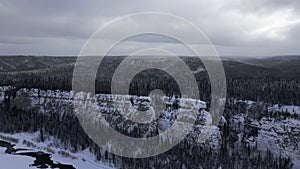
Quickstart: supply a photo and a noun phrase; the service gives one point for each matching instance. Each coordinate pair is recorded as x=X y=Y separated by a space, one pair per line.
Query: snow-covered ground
x=278 y=135
x=14 y=162
x=80 y=160
x=285 y=108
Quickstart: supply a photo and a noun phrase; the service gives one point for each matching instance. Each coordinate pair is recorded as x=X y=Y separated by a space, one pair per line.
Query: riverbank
x=27 y=142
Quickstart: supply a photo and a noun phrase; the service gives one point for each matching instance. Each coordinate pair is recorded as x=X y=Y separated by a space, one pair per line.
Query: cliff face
x=266 y=127
x=119 y=110
x=250 y=134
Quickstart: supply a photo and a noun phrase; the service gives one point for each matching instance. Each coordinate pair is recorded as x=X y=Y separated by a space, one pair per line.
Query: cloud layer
x=236 y=27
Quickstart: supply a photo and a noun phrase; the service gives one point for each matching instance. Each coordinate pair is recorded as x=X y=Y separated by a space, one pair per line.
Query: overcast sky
x=236 y=27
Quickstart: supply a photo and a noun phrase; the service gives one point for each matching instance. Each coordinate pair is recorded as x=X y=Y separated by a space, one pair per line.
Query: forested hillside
x=259 y=128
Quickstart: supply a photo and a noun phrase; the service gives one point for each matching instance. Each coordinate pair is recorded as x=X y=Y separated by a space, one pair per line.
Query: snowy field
x=14 y=162
x=80 y=160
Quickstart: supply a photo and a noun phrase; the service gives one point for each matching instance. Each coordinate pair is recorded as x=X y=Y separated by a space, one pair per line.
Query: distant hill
x=25 y=63
x=278 y=66
x=288 y=65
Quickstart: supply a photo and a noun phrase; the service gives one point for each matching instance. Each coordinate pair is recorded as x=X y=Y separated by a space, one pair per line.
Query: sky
x=235 y=27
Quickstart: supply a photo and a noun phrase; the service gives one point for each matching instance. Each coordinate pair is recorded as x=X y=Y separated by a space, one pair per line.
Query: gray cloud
x=236 y=27
x=294 y=32
x=262 y=7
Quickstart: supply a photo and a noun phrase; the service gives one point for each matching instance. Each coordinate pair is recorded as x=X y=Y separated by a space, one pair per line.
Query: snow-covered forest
x=259 y=127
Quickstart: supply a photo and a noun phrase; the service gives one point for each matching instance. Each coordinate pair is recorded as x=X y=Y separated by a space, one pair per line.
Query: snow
x=79 y=163
x=285 y=108
x=199 y=69
x=80 y=160
x=276 y=135
x=249 y=102
x=281 y=136
x=14 y=162
x=296 y=162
